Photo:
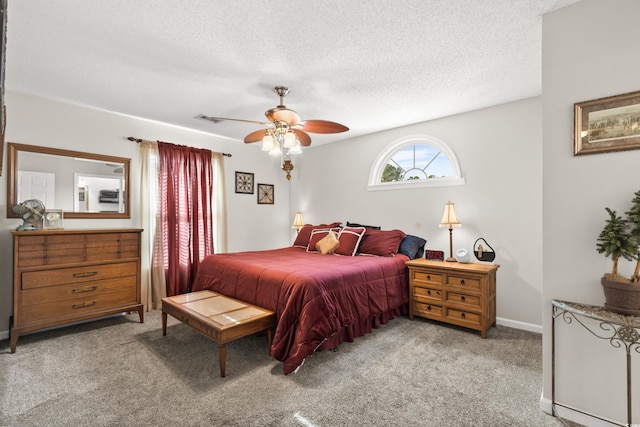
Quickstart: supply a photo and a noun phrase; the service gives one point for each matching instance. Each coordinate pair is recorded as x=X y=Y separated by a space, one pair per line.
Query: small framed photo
x=607 y=124
x=53 y=219
x=244 y=182
x=265 y=194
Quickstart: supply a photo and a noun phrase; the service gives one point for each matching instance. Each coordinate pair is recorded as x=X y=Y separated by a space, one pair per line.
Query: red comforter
x=319 y=300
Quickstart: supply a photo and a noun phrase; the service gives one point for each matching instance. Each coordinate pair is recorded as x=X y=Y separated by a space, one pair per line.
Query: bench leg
x=164 y=323
x=269 y=340
x=222 y=356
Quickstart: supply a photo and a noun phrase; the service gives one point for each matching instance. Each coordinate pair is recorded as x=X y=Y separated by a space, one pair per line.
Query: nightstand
x=452 y=292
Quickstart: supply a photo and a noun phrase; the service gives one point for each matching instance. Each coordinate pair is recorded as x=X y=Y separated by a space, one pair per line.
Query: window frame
x=383 y=158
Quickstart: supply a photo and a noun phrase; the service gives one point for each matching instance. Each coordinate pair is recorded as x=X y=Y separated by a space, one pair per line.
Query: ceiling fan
x=284 y=125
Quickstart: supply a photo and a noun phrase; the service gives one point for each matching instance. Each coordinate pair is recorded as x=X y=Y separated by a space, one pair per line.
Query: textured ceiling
x=371 y=65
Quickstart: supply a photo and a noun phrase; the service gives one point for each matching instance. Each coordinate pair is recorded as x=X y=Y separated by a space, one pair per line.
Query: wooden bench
x=218 y=317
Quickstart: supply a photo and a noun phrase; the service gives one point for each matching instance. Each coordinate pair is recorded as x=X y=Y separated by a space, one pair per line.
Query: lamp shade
x=298 y=221
x=449 y=219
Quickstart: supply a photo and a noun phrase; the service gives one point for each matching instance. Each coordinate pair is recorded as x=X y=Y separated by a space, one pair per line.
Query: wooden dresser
x=451 y=292
x=64 y=276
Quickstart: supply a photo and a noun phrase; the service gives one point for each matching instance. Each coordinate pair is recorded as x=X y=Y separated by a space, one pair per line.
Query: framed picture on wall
x=265 y=194
x=607 y=124
x=244 y=182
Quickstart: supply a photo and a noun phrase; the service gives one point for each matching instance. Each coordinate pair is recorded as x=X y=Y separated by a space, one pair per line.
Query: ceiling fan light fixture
x=267 y=142
x=296 y=149
x=289 y=139
x=275 y=150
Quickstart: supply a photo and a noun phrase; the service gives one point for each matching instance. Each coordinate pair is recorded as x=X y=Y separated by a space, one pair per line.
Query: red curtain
x=186 y=190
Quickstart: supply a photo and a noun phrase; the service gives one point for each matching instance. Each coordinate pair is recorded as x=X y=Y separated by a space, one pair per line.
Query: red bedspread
x=319 y=300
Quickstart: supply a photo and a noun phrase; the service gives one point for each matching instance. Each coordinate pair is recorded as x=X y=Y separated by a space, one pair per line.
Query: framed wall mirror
x=82 y=185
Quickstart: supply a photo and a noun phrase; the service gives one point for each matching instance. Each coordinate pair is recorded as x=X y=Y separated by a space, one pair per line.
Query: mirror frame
x=12 y=179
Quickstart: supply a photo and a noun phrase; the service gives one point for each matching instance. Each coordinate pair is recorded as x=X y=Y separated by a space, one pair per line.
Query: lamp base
x=451 y=259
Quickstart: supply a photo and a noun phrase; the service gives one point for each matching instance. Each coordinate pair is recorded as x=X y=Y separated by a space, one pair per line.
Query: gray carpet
x=117 y=371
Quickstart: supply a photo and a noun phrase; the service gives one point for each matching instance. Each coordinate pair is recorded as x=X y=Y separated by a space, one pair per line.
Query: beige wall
x=590 y=50
x=499 y=151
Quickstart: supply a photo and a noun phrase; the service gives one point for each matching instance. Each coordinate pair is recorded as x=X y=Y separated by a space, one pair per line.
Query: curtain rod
x=138 y=140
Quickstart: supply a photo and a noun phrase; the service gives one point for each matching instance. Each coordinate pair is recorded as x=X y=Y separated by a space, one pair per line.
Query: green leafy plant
x=633 y=220
x=620 y=238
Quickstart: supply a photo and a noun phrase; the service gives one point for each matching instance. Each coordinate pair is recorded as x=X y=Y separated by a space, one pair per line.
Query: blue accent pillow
x=412 y=246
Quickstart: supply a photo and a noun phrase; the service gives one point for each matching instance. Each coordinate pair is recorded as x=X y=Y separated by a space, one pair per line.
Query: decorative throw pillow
x=381 y=242
x=317 y=235
x=302 y=239
x=349 y=238
x=353 y=224
x=412 y=246
x=328 y=244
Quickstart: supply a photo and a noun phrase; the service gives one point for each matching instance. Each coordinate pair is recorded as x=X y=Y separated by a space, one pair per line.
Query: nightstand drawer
x=464 y=282
x=426 y=277
x=427 y=293
x=452 y=292
x=464 y=316
x=464 y=299
x=430 y=310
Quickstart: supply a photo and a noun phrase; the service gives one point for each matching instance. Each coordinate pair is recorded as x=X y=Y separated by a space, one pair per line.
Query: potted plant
x=620 y=238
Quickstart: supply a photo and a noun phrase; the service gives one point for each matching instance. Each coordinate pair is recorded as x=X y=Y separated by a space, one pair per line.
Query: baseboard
x=4 y=335
x=519 y=325
x=500 y=321
x=574 y=415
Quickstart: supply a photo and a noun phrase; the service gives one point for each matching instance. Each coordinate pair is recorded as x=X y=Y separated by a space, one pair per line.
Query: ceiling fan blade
x=303 y=137
x=223 y=119
x=255 y=136
x=323 y=126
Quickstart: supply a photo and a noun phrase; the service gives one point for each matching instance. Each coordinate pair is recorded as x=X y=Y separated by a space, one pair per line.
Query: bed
x=321 y=298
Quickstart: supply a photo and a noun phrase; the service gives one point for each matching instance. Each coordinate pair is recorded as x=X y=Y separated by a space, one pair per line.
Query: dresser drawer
x=465 y=316
x=60 y=276
x=427 y=310
x=470 y=300
x=76 y=290
x=428 y=293
x=466 y=282
x=421 y=276
x=77 y=306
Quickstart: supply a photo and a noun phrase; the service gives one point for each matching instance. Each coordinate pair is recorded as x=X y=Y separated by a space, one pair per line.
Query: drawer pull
x=429 y=292
x=81 y=290
x=463 y=315
x=462 y=282
x=85 y=274
x=84 y=305
x=429 y=307
x=428 y=277
x=462 y=298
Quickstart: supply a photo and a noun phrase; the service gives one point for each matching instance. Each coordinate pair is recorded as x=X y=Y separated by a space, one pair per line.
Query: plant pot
x=621 y=296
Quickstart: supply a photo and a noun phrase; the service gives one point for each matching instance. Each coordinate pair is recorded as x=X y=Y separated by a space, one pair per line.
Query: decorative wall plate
x=265 y=194
x=244 y=182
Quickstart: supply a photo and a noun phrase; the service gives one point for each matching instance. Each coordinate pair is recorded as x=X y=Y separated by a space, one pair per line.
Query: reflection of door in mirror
x=81 y=200
x=37 y=185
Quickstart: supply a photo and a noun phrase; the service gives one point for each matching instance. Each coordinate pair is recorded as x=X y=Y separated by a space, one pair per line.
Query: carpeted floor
x=116 y=371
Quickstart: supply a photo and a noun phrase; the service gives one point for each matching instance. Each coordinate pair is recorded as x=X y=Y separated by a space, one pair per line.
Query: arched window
x=415 y=161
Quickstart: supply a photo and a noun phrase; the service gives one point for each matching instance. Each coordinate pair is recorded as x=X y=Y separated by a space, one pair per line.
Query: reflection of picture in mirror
x=102 y=193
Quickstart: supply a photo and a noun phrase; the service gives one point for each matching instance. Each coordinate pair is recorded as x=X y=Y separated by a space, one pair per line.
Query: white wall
x=590 y=50
x=36 y=121
x=499 y=151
